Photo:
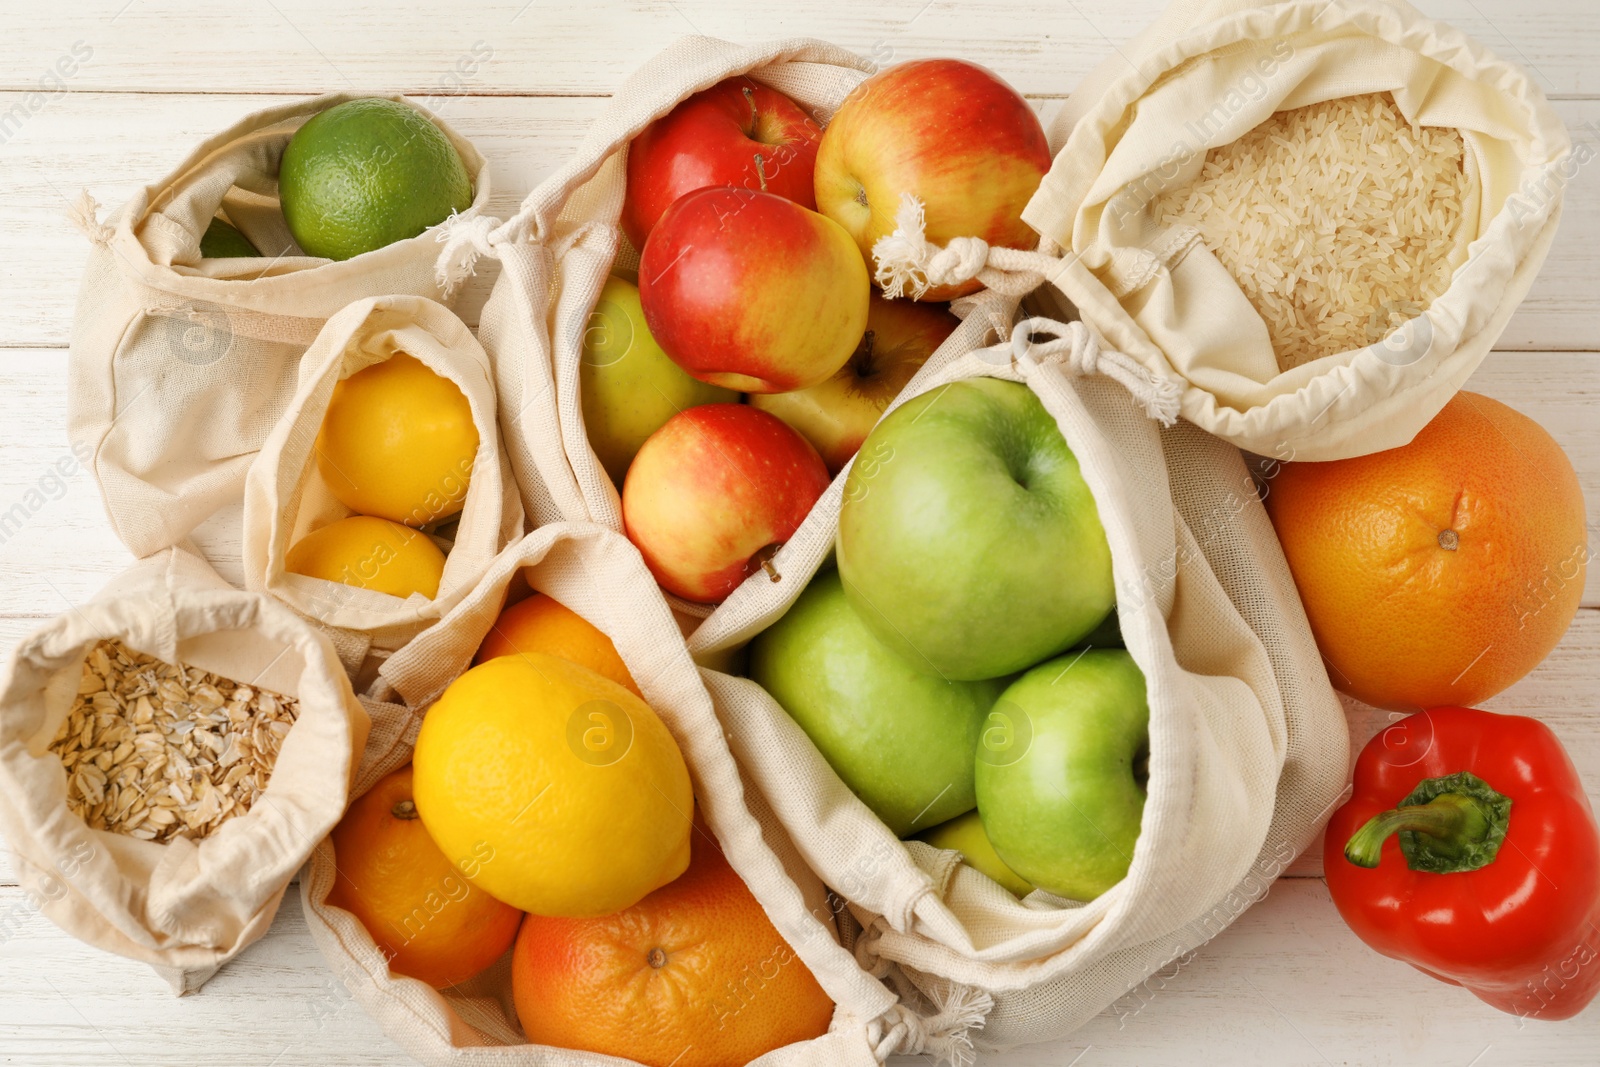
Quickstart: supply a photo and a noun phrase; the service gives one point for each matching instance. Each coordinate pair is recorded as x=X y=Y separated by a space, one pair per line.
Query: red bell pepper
x=1469 y=850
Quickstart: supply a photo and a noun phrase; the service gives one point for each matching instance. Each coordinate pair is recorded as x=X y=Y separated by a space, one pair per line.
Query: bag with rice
x=558 y=250
x=1317 y=216
x=598 y=574
x=169 y=753
x=182 y=364
x=287 y=494
x=1248 y=744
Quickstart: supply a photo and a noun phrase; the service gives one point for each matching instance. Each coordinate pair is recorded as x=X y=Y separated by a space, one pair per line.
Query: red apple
x=950 y=133
x=713 y=491
x=753 y=292
x=738 y=132
x=837 y=415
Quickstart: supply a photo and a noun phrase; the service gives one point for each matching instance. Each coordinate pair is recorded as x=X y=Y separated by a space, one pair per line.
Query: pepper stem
x=1447 y=825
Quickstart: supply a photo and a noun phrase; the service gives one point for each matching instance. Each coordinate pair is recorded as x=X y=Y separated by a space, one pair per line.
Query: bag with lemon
x=382 y=495
x=558 y=859
x=202 y=292
x=169 y=753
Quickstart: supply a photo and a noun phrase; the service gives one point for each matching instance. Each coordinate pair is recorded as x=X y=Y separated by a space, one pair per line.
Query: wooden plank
x=56 y=546
x=518 y=46
x=1286 y=985
x=69 y=1004
x=110 y=143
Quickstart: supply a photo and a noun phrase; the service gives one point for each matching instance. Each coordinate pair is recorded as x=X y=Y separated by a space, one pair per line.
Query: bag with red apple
x=1202 y=76
x=1246 y=745
x=596 y=573
x=288 y=497
x=556 y=254
x=181 y=363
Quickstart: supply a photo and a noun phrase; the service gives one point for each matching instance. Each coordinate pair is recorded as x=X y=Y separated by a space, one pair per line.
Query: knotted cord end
x=465 y=238
x=84 y=213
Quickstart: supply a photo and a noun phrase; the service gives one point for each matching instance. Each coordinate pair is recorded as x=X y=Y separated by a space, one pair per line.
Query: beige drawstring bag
x=184 y=907
x=285 y=497
x=557 y=251
x=598 y=574
x=1205 y=74
x=180 y=365
x=1248 y=746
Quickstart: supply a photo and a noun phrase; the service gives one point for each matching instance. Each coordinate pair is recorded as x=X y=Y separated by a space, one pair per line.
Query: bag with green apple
x=1042 y=626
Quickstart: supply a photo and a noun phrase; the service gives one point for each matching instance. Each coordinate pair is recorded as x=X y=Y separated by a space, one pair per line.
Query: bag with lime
x=203 y=290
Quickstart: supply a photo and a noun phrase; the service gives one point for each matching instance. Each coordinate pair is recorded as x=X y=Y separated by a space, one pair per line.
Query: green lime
x=222 y=241
x=368 y=173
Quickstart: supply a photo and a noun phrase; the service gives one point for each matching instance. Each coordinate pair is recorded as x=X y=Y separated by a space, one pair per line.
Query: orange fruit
x=693 y=975
x=424 y=914
x=543 y=624
x=1440 y=572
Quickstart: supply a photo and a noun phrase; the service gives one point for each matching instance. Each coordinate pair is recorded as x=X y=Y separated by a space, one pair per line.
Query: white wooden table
x=1287 y=984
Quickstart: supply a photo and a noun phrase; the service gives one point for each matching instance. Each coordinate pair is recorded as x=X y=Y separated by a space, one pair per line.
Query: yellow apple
x=836 y=415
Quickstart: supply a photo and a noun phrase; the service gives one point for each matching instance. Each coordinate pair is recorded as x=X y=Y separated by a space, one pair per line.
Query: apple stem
x=761 y=171
x=861 y=358
x=764 y=558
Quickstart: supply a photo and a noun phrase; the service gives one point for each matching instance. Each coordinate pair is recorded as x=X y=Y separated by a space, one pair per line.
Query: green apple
x=965 y=834
x=629 y=387
x=1062 y=771
x=1107 y=635
x=902 y=740
x=968 y=540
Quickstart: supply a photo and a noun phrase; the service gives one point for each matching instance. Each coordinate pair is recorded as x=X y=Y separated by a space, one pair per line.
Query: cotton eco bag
x=186 y=906
x=286 y=497
x=181 y=365
x=557 y=251
x=1204 y=75
x=598 y=574
x=1248 y=745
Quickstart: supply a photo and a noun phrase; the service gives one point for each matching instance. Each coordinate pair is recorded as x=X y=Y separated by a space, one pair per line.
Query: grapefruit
x=1442 y=571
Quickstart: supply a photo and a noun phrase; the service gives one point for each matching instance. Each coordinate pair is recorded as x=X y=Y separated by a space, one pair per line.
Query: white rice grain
x=1338 y=221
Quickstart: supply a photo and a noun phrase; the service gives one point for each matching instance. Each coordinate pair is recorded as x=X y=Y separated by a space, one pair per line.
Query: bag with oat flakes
x=170 y=753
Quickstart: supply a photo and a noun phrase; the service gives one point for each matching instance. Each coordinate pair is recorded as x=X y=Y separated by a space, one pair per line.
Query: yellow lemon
x=552 y=788
x=398 y=442
x=370 y=553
